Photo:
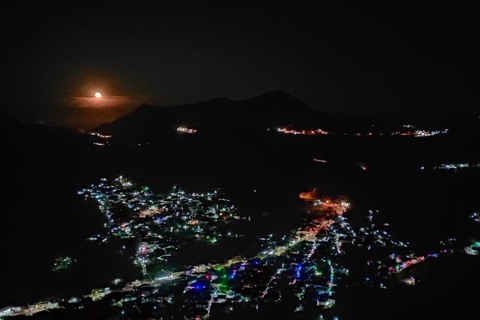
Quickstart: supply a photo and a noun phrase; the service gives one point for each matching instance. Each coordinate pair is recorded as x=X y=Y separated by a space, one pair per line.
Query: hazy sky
x=365 y=59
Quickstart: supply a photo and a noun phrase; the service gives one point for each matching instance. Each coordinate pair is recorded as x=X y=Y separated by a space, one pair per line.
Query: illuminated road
x=98 y=294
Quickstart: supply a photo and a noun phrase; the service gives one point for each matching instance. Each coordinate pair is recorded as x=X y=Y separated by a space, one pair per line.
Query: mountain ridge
x=275 y=108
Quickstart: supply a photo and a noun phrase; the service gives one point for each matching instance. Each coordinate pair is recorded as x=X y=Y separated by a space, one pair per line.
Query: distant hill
x=26 y=137
x=227 y=117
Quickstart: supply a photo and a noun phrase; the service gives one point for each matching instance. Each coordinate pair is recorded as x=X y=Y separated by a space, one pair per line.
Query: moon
x=98 y=95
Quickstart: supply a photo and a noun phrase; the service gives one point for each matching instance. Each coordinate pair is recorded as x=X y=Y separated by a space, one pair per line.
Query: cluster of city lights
x=305 y=261
x=186 y=130
x=158 y=223
x=454 y=166
x=103 y=139
x=310 y=132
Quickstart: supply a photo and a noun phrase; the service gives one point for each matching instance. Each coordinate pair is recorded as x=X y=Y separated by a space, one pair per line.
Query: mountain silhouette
x=229 y=118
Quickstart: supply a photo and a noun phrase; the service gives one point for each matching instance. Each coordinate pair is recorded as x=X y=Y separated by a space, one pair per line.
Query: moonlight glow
x=98 y=95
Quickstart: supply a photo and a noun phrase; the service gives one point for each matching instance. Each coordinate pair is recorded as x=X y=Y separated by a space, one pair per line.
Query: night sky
x=373 y=60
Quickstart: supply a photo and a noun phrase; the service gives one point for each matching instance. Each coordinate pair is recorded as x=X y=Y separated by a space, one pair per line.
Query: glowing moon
x=98 y=95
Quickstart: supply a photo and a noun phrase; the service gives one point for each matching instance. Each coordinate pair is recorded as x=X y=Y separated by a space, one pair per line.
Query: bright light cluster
x=301 y=132
x=305 y=261
x=157 y=222
x=186 y=130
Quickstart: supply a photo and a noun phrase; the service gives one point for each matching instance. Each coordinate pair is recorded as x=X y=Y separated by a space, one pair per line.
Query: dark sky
x=374 y=59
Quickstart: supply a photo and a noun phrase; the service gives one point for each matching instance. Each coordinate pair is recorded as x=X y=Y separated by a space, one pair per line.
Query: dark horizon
x=84 y=123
